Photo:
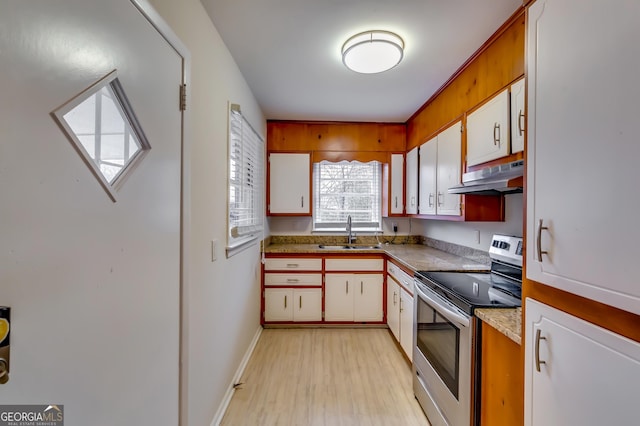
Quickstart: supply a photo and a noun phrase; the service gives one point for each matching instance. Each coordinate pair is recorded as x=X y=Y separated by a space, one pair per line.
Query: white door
x=406 y=323
x=307 y=304
x=411 y=199
x=517 y=116
x=289 y=177
x=393 y=307
x=583 y=150
x=94 y=285
x=488 y=130
x=577 y=373
x=368 y=297
x=397 y=184
x=428 y=175
x=449 y=169
x=278 y=304
x=338 y=297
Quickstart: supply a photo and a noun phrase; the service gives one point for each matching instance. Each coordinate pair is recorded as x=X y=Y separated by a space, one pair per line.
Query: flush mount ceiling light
x=373 y=51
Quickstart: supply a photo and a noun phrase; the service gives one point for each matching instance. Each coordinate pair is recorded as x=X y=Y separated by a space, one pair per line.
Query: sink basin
x=350 y=247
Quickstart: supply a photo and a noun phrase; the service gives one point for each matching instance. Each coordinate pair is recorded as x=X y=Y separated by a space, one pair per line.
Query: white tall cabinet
x=412 y=182
x=440 y=169
x=583 y=58
x=397 y=184
x=289 y=183
x=577 y=373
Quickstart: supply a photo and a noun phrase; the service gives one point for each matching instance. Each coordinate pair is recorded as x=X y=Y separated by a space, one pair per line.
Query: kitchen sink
x=350 y=247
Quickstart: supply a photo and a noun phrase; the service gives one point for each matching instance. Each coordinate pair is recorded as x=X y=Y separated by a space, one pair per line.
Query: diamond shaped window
x=101 y=124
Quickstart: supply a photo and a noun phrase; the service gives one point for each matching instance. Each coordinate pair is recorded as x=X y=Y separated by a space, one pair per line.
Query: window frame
x=356 y=225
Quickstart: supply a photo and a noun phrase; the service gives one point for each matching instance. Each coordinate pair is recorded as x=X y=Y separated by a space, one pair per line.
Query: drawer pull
x=285 y=302
x=293 y=265
x=293 y=280
x=521 y=122
x=300 y=302
x=496 y=134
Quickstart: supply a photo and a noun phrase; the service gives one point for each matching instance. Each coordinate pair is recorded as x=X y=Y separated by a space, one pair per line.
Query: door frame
x=160 y=25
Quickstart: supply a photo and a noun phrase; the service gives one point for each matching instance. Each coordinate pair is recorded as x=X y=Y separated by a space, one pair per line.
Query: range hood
x=501 y=179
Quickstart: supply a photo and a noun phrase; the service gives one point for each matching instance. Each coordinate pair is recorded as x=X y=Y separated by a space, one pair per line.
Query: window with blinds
x=246 y=181
x=347 y=189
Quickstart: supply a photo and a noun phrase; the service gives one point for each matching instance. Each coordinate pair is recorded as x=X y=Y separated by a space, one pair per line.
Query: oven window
x=439 y=341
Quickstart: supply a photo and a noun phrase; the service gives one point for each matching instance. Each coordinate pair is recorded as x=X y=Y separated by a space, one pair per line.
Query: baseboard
x=236 y=378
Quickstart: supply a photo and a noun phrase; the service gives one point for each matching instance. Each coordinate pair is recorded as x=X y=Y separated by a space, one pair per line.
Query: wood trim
x=616 y=320
x=362 y=156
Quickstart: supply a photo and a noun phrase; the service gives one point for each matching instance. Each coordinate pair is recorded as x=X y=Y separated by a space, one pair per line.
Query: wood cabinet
x=440 y=168
x=400 y=307
x=577 y=373
x=353 y=297
x=583 y=150
x=518 y=121
x=289 y=184
x=488 y=130
x=501 y=379
x=411 y=199
x=396 y=198
x=297 y=305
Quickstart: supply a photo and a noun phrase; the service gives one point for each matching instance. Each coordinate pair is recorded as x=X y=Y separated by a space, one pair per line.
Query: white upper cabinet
x=412 y=182
x=488 y=130
x=289 y=183
x=577 y=373
x=583 y=58
x=449 y=170
x=518 y=121
x=428 y=176
x=440 y=169
x=397 y=184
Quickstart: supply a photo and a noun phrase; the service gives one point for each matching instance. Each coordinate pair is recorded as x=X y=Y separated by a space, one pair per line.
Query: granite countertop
x=508 y=321
x=416 y=257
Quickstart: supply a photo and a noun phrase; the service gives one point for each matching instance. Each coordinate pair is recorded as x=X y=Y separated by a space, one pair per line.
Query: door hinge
x=183 y=97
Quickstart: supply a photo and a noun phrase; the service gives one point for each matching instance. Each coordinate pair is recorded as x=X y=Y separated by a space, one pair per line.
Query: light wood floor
x=325 y=377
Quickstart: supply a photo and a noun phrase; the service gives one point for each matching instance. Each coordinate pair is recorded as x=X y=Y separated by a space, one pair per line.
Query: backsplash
x=458 y=250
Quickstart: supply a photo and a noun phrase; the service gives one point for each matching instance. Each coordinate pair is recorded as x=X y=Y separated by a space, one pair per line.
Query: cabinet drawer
x=354 y=265
x=293 y=279
x=401 y=276
x=300 y=264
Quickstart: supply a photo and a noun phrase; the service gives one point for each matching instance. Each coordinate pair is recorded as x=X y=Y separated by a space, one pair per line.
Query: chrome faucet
x=351 y=238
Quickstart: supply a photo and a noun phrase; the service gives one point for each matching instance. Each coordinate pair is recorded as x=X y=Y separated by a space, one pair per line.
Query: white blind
x=347 y=189
x=246 y=165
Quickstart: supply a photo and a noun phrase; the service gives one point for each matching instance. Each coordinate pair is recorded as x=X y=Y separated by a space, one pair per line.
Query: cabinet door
x=517 y=116
x=412 y=182
x=449 y=170
x=278 y=304
x=406 y=323
x=289 y=183
x=338 y=297
x=393 y=307
x=307 y=304
x=397 y=184
x=428 y=175
x=488 y=130
x=587 y=375
x=368 y=298
x=583 y=150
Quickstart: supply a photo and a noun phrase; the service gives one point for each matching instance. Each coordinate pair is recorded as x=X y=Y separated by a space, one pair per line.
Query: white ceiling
x=289 y=52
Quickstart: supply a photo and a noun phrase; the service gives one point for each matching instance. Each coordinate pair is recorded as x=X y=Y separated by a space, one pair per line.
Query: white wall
x=454 y=232
x=223 y=299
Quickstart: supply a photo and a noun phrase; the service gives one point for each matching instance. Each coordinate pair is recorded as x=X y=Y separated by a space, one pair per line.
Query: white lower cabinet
x=400 y=315
x=577 y=373
x=353 y=297
x=293 y=304
x=406 y=323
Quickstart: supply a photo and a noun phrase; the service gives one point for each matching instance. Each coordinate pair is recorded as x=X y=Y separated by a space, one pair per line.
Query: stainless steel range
x=446 y=339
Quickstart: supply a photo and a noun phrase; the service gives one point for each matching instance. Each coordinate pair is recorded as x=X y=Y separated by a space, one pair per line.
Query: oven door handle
x=443 y=309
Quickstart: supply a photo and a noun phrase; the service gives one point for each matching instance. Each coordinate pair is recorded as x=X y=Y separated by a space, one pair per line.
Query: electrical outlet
x=476 y=236
x=395 y=227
